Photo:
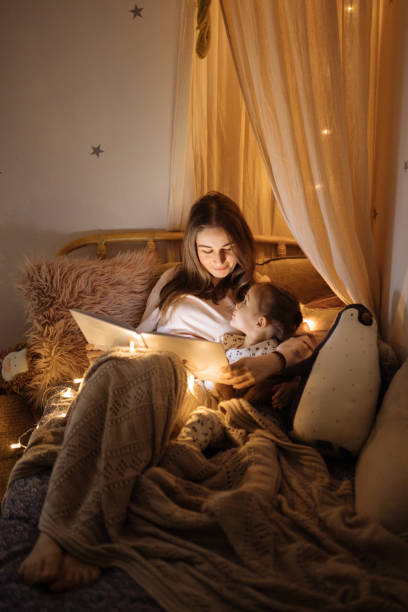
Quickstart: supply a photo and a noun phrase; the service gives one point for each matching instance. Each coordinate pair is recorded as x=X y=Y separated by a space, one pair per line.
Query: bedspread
x=258 y=525
x=116 y=591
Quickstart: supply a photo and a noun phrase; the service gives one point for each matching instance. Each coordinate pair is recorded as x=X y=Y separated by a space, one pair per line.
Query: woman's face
x=215 y=251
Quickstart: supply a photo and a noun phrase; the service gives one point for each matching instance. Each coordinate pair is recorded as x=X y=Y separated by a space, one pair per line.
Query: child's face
x=246 y=314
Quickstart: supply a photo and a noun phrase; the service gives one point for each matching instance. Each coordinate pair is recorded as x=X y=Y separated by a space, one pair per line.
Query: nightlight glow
x=309 y=324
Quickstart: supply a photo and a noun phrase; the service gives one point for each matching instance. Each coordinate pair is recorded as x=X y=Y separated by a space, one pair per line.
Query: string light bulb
x=19 y=444
x=57 y=398
x=326 y=132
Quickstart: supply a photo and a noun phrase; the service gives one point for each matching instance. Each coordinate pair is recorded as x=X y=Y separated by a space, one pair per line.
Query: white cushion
x=339 y=399
x=381 y=483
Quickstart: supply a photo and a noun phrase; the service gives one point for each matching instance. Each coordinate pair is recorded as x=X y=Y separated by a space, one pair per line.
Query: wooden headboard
x=279 y=257
x=278 y=246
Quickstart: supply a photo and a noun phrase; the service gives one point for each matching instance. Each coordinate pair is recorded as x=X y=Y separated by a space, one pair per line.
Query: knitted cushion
x=339 y=399
x=381 y=483
x=15 y=419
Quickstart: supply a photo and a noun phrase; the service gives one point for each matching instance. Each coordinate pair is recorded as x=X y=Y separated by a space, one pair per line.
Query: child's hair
x=214 y=209
x=280 y=307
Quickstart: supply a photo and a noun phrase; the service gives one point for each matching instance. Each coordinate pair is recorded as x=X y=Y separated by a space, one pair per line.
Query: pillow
x=116 y=287
x=298 y=275
x=381 y=481
x=339 y=399
x=319 y=319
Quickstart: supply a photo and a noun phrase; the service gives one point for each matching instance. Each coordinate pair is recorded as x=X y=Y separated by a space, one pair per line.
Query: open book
x=202 y=357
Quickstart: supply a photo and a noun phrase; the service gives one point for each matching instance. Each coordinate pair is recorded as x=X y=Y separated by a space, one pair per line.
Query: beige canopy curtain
x=308 y=71
x=213 y=144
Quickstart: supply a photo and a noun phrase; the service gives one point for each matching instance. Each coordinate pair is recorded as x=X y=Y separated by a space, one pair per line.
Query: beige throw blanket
x=260 y=525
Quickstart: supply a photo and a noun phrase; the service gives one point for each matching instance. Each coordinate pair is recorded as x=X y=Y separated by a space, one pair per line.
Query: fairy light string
x=55 y=406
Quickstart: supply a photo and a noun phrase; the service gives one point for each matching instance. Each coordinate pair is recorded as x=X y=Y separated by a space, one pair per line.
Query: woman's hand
x=251 y=370
x=93 y=353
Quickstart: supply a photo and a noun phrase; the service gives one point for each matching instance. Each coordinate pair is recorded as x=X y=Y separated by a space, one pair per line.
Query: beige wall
x=75 y=75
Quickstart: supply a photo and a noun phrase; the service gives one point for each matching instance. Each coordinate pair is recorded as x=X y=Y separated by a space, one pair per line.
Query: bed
x=283 y=536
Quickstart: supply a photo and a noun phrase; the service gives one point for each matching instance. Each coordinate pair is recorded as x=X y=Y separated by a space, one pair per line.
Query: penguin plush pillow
x=338 y=399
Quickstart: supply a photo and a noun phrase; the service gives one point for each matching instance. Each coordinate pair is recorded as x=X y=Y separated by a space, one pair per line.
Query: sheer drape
x=182 y=192
x=390 y=193
x=308 y=73
x=213 y=144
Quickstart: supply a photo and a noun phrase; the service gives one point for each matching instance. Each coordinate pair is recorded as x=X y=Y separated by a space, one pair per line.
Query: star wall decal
x=137 y=12
x=97 y=151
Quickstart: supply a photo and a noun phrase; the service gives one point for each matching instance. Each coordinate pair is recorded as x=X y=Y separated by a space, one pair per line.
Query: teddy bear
x=14 y=369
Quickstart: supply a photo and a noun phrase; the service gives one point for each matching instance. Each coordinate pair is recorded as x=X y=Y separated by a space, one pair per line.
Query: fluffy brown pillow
x=117 y=287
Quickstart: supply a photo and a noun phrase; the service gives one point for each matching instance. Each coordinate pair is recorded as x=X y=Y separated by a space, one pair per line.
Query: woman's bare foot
x=44 y=562
x=74 y=573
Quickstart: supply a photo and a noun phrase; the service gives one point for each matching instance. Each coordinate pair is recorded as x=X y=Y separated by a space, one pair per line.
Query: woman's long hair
x=280 y=307
x=212 y=210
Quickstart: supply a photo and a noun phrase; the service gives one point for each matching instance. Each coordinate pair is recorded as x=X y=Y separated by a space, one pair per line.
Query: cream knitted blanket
x=259 y=525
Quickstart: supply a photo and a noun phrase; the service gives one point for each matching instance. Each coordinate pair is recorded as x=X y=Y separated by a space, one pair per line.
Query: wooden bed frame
x=280 y=246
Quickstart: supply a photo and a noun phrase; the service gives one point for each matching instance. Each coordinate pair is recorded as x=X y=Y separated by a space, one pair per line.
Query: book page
x=203 y=358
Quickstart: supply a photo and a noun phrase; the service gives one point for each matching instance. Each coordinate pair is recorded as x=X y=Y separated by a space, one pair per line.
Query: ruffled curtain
x=390 y=176
x=213 y=144
x=308 y=71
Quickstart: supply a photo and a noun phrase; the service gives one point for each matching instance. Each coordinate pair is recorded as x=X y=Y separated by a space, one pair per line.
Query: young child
x=266 y=317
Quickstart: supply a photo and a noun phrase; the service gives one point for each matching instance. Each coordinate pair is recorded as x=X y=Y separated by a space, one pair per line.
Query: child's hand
x=251 y=370
x=283 y=394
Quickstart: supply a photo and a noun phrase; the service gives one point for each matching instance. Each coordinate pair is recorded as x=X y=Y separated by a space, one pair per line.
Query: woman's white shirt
x=189 y=316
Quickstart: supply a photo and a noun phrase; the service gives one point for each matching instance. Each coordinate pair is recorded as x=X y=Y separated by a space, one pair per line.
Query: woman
x=198 y=297
x=195 y=298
